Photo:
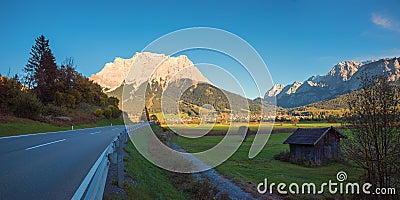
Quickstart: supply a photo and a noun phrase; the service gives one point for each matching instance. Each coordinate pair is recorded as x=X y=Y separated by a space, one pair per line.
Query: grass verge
x=151 y=181
x=10 y=126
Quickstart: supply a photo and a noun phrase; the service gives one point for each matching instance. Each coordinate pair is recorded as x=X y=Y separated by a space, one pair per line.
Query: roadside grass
x=18 y=126
x=100 y=123
x=10 y=126
x=249 y=172
x=152 y=181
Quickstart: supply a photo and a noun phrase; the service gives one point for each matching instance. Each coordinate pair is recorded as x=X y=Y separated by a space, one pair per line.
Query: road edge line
x=31 y=134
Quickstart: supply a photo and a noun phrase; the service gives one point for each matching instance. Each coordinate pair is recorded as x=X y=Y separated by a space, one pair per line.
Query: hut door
x=328 y=151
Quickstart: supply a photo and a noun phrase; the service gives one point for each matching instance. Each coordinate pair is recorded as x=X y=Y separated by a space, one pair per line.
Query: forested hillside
x=54 y=93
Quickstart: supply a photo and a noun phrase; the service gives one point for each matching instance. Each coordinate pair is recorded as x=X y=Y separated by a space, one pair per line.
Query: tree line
x=374 y=139
x=50 y=89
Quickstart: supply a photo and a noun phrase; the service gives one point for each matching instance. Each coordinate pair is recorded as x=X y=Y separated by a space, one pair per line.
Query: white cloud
x=385 y=22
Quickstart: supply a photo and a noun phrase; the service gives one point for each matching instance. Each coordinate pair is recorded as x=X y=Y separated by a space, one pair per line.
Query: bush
x=306 y=163
x=27 y=105
x=113 y=101
x=196 y=188
x=58 y=98
x=103 y=101
x=115 y=112
x=51 y=109
x=71 y=101
x=107 y=113
x=283 y=156
x=99 y=112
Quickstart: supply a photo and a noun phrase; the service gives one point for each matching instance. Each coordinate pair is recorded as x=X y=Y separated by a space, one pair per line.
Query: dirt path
x=222 y=183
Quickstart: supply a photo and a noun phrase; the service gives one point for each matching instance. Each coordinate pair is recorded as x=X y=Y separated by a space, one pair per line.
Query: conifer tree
x=41 y=72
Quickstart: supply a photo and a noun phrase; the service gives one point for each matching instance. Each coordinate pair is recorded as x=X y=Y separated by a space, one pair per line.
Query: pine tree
x=37 y=52
x=47 y=77
x=41 y=72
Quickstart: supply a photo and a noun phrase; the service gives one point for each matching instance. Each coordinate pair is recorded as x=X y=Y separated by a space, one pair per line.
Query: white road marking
x=33 y=134
x=95 y=132
x=34 y=147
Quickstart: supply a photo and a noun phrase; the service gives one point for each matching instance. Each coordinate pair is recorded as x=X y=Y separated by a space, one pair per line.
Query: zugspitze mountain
x=145 y=66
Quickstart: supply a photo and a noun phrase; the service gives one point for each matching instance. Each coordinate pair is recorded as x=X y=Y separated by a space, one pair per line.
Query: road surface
x=50 y=165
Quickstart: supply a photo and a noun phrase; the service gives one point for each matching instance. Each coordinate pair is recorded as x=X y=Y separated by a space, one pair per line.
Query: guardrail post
x=120 y=163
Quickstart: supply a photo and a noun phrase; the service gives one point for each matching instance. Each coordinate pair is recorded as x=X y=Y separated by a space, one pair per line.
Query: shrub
x=113 y=101
x=51 y=109
x=27 y=105
x=283 y=156
x=107 y=113
x=306 y=163
x=58 y=98
x=99 y=112
x=70 y=101
x=202 y=189
x=115 y=112
x=103 y=101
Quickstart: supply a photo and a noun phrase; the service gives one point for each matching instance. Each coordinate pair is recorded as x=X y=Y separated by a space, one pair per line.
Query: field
x=249 y=172
x=254 y=126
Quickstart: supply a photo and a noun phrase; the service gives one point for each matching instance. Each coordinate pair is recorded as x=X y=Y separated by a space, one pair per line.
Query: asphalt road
x=50 y=165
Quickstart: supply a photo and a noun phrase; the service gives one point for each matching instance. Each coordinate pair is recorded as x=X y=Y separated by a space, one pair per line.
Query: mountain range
x=156 y=77
x=343 y=78
x=157 y=72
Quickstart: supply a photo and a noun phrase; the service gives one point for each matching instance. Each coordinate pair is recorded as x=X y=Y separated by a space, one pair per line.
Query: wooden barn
x=314 y=146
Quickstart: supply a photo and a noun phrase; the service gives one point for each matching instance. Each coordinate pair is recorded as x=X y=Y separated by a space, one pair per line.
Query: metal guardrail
x=92 y=186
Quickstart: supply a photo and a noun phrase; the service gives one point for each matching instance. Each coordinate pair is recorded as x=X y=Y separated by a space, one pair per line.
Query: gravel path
x=222 y=183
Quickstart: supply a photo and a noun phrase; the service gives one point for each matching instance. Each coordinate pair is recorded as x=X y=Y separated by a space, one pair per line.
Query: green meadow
x=255 y=126
x=249 y=172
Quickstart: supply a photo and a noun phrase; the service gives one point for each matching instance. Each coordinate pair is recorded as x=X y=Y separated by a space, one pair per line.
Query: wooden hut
x=314 y=146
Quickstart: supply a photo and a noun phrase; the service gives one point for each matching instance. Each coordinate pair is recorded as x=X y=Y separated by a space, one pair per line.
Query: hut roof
x=310 y=136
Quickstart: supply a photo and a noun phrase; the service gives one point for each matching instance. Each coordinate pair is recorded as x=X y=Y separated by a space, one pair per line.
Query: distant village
x=224 y=118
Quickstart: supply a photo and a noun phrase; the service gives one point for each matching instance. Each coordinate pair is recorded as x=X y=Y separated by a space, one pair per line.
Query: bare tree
x=294 y=120
x=374 y=142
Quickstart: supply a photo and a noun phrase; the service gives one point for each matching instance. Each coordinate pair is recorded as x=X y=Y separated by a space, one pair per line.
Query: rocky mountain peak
x=293 y=88
x=276 y=89
x=141 y=66
x=345 y=70
x=343 y=78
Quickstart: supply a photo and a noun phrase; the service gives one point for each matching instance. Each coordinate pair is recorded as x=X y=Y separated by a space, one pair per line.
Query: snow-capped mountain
x=275 y=90
x=144 y=66
x=342 y=78
x=148 y=78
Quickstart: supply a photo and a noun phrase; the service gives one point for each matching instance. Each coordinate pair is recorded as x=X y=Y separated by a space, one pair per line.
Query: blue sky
x=296 y=39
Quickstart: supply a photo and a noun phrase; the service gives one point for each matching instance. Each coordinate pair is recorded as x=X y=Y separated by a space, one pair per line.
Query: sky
x=296 y=39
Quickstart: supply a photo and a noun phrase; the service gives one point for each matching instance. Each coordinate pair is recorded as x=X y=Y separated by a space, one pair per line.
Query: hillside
x=173 y=80
x=54 y=93
x=337 y=103
x=189 y=100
